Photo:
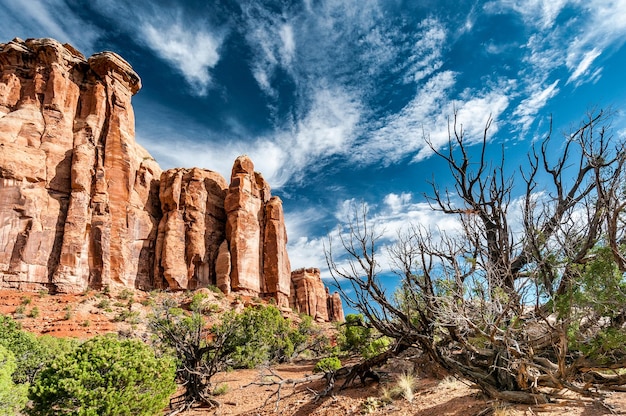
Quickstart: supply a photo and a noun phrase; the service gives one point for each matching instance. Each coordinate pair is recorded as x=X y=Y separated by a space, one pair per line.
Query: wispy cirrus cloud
x=273 y=43
x=187 y=41
x=327 y=127
x=602 y=26
x=538 y=13
x=529 y=108
x=52 y=19
x=426 y=117
x=192 y=52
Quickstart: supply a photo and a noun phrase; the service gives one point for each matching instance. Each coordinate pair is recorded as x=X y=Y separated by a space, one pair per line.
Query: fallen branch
x=273 y=379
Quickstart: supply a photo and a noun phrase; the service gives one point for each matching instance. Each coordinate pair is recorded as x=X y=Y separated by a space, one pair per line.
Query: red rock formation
x=77 y=201
x=335 y=307
x=255 y=230
x=83 y=206
x=276 y=266
x=308 y=295
x=193 y=223
x=244 y=207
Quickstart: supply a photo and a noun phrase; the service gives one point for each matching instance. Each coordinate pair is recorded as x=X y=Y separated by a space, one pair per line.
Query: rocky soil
x=434 y=393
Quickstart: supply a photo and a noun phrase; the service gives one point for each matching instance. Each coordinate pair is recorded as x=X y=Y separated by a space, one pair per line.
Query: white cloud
x=403 y=132
x=427 y=115
x=304 y=250
x=327 y=128
x=583 y=66
x=396 y=202
x=289 y=44
x=540 y=13
x=188 y=42
x=427 y=54
x=395 y=215
x=528 y=108
x=193 y=52
x=597 y=27
x=273 y=42
x=184 y=150
x=51 y=19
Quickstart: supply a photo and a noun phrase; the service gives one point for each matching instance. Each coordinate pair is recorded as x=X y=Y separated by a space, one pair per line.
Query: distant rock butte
x=82 y=205
x=309 y=296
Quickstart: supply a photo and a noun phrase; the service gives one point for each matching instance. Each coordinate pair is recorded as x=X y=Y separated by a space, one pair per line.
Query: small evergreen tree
x=259 y=335
x=104 y=376
x=29 y=354
x=13 y=396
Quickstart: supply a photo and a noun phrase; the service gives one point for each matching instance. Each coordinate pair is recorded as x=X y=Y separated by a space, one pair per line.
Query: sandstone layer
x=82 y=205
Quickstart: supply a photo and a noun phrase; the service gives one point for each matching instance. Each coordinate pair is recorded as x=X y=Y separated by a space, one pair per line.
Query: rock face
x=192 y=202
x=78 y=197
x=308 y=295
x=84 y=206
x=255 y=229
x=335 y=307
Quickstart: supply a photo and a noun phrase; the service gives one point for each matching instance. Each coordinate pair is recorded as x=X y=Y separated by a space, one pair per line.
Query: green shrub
x=104 y=376
x=220 y=389
x=198 y=302
x=598 y=291
x=216 y=290
x=258 y=335
x=29 y=354
x=34 y=312
x=126 y=294
x=13 y=397
x=375 y=347
x=356 y=337
x=19 y=312
x=132 y=317
x=353 y=333
x=326 y=365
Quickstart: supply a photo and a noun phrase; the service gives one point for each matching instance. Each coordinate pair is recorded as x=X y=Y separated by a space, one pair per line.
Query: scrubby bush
x=594 y=308
x=13 y=396
x=29 y=354
x=104 y=376
x=355 y=336
x=326 y=365
x=255 y=336
x=199 y=303
x=199 y=355
x=259 y=335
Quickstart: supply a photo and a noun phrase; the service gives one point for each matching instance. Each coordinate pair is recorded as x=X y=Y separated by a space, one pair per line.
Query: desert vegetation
x=525 y=297
x=187 y=341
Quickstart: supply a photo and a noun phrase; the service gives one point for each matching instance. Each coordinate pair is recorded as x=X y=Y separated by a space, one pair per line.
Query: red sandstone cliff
x=84 y=206
x=78 y=202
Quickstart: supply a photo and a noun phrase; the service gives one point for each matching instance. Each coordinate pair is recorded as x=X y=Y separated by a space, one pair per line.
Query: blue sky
x=332 y=99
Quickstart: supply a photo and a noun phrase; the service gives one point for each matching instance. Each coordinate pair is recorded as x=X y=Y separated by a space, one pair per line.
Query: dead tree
x=499 y=300
x=201 y=353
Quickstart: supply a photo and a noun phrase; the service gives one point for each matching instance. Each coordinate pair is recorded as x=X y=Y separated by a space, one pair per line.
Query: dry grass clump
x=404 y=387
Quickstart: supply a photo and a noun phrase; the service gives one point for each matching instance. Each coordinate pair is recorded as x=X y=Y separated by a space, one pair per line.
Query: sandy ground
x=434 y=393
